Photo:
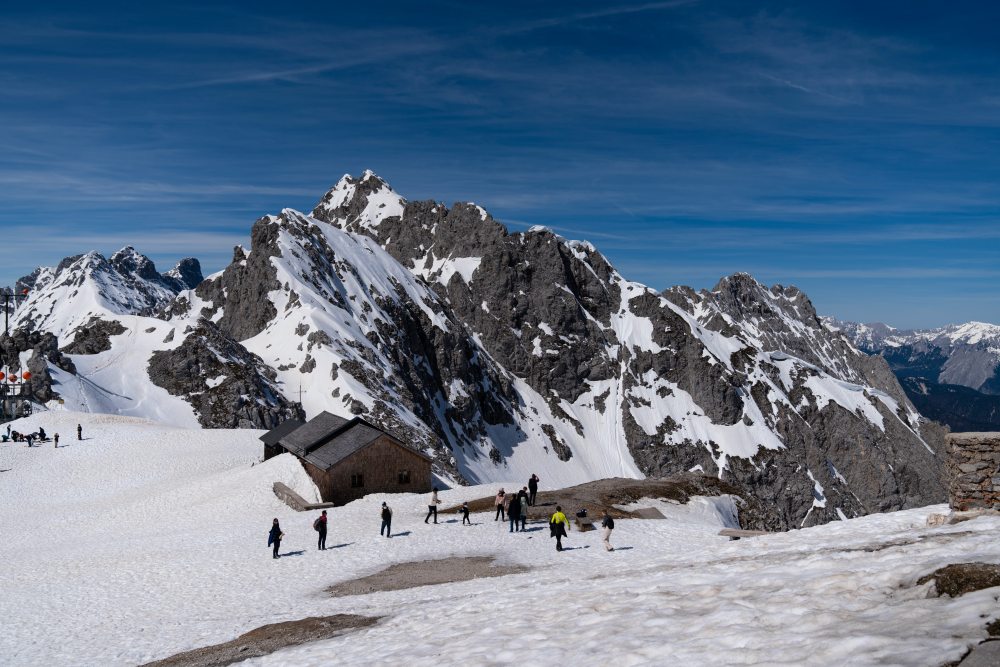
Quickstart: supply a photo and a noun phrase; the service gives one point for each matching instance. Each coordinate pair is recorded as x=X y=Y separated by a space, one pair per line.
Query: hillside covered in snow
x=500 y=354
x=952 y=373
x=143 y=540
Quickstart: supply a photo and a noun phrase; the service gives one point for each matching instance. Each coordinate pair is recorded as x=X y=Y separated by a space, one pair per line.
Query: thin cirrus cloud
x=801 y=142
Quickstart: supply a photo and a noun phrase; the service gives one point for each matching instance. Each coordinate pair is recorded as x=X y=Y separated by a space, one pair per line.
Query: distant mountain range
x=952 y=374
x=500 y=354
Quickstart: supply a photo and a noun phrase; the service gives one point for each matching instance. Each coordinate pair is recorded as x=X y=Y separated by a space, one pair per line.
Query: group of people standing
x=40 y=435
x=512 y=507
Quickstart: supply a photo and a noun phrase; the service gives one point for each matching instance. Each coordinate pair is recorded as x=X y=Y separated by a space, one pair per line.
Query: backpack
x=316 y=525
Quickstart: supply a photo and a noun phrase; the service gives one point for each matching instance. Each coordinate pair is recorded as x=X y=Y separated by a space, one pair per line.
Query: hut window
x=404 y=476
x=357 y=480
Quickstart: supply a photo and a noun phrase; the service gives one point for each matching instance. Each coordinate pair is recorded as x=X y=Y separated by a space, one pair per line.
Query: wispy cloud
x=609 y=12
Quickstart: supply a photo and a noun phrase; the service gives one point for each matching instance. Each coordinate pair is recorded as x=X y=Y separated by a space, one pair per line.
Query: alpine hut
x=350 y=458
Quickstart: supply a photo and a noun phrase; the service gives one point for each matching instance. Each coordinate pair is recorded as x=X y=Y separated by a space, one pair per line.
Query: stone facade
x=974 y=471
x=377 y=468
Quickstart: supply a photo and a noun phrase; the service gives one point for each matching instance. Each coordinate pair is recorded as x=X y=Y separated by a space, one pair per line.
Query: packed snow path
x=142 y=541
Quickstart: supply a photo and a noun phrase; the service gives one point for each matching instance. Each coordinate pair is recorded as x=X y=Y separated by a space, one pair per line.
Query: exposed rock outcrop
x=227 y=386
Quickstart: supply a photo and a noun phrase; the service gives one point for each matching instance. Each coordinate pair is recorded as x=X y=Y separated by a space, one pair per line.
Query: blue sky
x=852 y=148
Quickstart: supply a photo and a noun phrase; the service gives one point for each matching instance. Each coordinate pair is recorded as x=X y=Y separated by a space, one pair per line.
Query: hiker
x=41 y=434
x=30 y=439
x=522 y=499
x=499 y=504
x=513 y=511
x=506 y=503
x=79 y=432
x=320 y=525
x=558 y=525
x=532 y=488
x=465 y=514
x=386 y=521
x=55 y=439
x=608 y=524
x=432 y=506
x=274 y=538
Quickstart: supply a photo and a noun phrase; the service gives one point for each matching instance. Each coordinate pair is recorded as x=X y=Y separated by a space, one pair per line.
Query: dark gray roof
x=343 y=445
x=326 y=439
x=313 y=432
x=280 y=431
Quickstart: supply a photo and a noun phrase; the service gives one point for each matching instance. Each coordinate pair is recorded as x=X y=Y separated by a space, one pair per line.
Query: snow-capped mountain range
x=501 y=354
x=951 y=373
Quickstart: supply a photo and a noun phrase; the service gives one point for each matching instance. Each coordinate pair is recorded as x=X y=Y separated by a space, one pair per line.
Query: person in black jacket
x=386 y=521
x=274 y=538
x=465 y=514
x=321 y=527
x=608 y=524
x=514 y=512
x=532 y=488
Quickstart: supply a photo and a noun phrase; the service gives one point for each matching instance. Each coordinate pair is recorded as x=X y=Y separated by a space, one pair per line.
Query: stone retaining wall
x=973 y=471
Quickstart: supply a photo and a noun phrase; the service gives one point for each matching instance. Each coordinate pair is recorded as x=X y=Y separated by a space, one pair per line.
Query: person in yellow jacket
x=558 y=525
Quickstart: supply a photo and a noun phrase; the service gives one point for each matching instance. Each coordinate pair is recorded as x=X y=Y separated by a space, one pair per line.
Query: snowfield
x=142 y=541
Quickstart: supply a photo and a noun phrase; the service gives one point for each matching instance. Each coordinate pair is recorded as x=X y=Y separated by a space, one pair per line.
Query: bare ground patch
x=267 y=639
x=425 y=573
x=604 y=494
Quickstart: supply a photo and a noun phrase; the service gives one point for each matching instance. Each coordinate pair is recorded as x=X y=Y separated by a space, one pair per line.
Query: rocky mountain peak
x=359 y=204
x=187 y=272
x=504 y=354
x=63 y=298
x=128 y=260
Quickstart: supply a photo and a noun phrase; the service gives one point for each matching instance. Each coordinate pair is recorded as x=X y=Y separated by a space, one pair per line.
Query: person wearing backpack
x=386 y=521
x=432 y=506
x=558 y=525
x=608 y=524
x=320 y=525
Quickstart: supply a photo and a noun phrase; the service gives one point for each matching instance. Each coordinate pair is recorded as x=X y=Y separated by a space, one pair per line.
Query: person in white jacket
x=432 y=506
x=608 y=524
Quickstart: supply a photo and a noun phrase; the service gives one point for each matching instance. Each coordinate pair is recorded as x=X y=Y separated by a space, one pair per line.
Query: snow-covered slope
x=63 y=298
x=963 y=354
x=504 y=355
x=936 y=365
x=142 y=541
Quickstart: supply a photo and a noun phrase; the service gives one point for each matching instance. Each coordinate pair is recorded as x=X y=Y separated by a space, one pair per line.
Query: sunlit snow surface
x=142 y=541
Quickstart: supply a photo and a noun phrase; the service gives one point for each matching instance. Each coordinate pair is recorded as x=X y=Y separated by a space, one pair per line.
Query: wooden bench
x=735 y=534
x=295 y=501
x=584 y=523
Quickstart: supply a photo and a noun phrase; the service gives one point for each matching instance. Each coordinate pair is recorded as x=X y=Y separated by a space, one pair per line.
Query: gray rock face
x=186 y=275
x=227 y=386
x=94 y=337
x=44 y=348
x=551 y=312
x=242 y=291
